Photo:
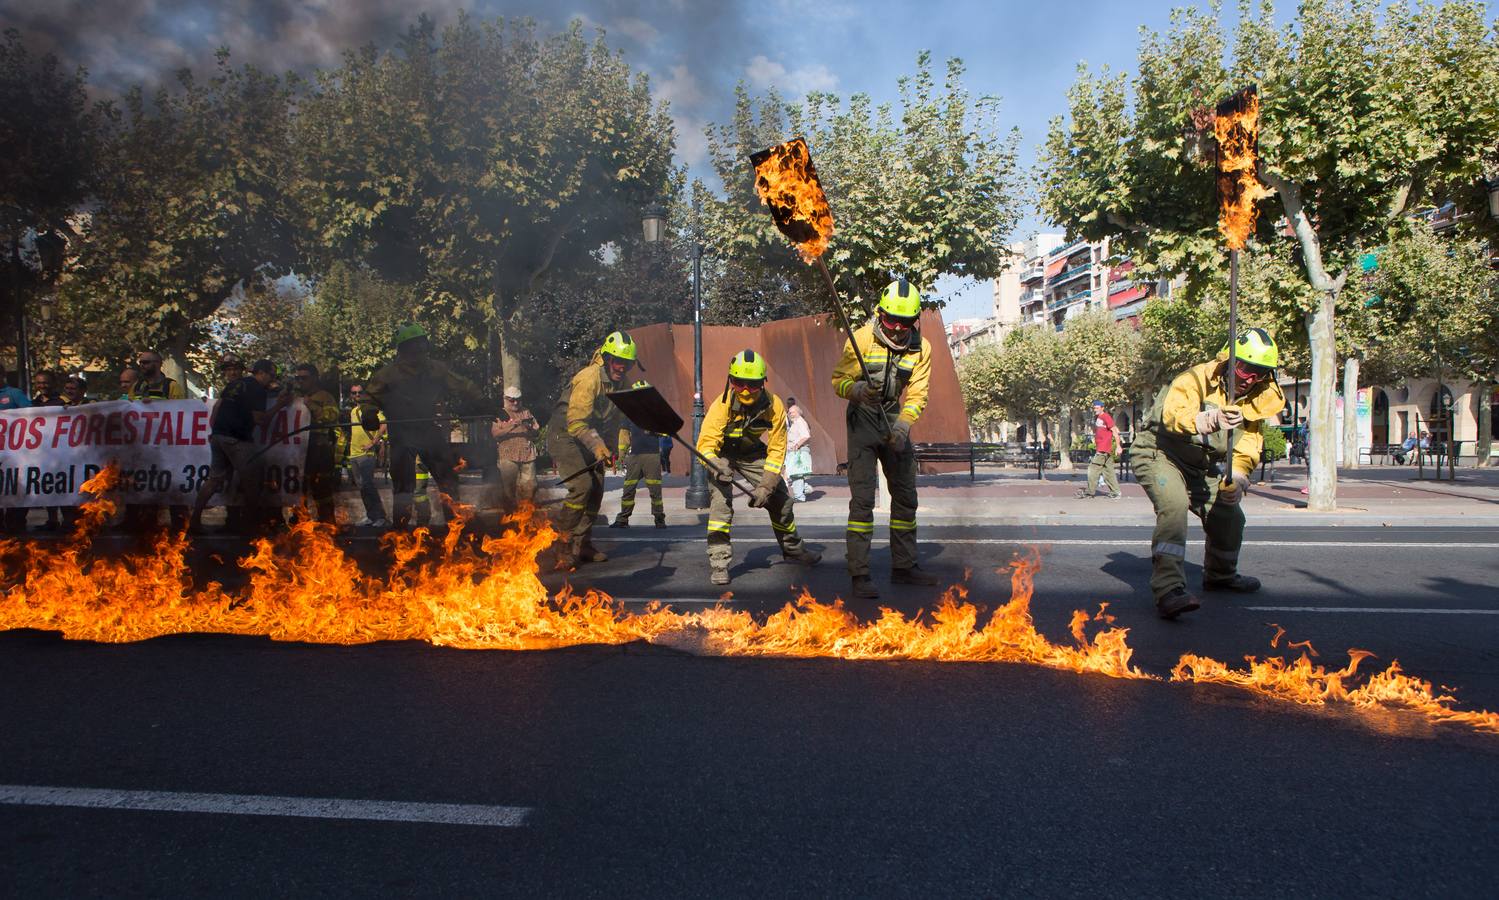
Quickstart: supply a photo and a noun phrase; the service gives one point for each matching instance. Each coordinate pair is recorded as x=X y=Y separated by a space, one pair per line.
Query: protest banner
x=161 y=447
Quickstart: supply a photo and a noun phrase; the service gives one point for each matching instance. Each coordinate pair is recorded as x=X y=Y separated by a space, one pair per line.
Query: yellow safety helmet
x=1256 y=347
x=901 y=300
x=408 y=332
x=619 y=344
x=747 y=365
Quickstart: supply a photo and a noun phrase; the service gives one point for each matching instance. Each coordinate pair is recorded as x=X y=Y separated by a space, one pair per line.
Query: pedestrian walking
x=515 y=432
x=641 y=450
x=897 y=360
x=582 y=439
x=798 y=451
x=744 y=433
x=1105 y=460
x=408 y=391
x=365 y=446
x=1177 y=457
x=321 y=464
x=234 y=461
x=665 y=449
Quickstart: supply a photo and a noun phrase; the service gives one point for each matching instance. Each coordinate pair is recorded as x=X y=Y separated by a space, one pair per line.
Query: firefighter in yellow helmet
x=582 y=435
x=642 y=452
x=744 y=432
x=884 y=401
x=1177 y=455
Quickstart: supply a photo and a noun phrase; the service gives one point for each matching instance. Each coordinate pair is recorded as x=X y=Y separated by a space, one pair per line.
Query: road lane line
x=668 y=601
x=1090 y=542
x=259 y=805
x=1376 y=609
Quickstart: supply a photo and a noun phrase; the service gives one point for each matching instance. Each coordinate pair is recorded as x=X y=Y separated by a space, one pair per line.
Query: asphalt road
x=642 y=770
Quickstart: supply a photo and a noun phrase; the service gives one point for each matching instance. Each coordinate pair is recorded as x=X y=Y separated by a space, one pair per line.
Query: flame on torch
x=1237 y=128
x=787 y=182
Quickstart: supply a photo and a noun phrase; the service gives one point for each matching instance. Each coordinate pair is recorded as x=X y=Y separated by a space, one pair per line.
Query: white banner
x=161 y=447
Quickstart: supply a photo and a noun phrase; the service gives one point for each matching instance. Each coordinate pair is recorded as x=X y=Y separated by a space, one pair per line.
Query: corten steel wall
x=801 y=353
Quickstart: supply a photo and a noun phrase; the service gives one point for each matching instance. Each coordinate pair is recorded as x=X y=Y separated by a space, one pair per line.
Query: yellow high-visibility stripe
x=902 y=524
x=629 y=483
x=786 y=530
x=651 y=481
x=719 y=526
x=861 y=527
x=773 y=467
x=577 y=506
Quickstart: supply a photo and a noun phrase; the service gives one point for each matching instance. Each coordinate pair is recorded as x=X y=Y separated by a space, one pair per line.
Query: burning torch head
x=1237 y=128
x=787 y=182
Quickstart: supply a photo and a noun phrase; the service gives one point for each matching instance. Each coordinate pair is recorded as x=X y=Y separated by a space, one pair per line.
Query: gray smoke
x=694 y=51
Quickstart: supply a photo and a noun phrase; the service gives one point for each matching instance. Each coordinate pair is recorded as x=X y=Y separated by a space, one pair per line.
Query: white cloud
x=638 y=29
x=764 y=72
x=680 y=89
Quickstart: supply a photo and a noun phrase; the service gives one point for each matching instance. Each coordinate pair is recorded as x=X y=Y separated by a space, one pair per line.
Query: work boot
x=588 y=553
x=620 y=522
x=718 y=575
x=1175 y=603
x=1082 y=494
x=913 y=575
x=1238 y=584
x=567 y=561
x=660 y=520
x=864 y=588
x=806 y=557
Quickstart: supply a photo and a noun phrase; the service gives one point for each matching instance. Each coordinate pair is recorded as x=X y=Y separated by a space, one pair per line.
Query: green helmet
x=1256 y=347
x=408 y=332
x=901 y=300
x=642 y=383
x=747 y=365
x=619 y=345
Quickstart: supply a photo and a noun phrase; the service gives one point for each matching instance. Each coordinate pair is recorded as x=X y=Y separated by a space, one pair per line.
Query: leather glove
x=1209 y=421
x=1232 y=493
x=900 y=434
x=602 y=454
x=864 y=393
x=761 y=495
x=1232 y=416
x=719 y=468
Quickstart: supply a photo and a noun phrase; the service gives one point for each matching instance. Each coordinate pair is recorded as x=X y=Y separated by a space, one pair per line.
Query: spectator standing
x=151 y=383
x=44 y=393
x=798 y=451
x=75 y=391
x=128 y=377
x=365 y=447
x=321 y=466
x=1105 y=454
x=515 y=432
x=231 y=442
x=641 y=451
x=13 y=398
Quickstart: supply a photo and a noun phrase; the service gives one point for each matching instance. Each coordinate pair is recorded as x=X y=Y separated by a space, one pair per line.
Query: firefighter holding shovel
x=1177 y=457
x=576 y=440
x=744 y=433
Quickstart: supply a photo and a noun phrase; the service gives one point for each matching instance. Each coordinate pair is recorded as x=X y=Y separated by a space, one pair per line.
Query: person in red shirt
x=1105 y=454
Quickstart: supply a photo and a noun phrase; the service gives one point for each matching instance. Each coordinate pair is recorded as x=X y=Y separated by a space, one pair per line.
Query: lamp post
x=653 y=229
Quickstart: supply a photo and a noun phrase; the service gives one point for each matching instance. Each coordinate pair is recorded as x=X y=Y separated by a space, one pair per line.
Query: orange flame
x=787 y=182
x=1237 y=128
x=486 y=595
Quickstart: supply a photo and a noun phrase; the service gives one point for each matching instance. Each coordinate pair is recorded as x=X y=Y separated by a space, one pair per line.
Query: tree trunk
x=1483 y=413
x=1063 y=443
x=509 y=356
x=1350 y=412
x=1322 y=487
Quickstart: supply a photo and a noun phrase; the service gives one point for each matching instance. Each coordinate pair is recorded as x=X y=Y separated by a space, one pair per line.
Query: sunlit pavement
x=642 y=769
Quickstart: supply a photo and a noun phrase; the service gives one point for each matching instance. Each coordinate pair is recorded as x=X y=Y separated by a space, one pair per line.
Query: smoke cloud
x=694 y=51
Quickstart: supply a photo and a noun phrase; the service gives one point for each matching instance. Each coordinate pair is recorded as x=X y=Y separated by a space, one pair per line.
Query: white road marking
x=1376 y=609
x=671 y=601
x=1091 y=542
x=258 y=805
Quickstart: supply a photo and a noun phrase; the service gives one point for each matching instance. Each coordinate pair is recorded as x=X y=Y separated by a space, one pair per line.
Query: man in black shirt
x=231 y=440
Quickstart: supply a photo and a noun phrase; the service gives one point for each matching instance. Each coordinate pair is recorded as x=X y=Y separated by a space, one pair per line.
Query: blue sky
x=695 y=52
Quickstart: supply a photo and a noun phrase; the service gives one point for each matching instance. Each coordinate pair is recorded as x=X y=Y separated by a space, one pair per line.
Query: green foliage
x=1430 y=293
x=927 y=191
x=1275 y=444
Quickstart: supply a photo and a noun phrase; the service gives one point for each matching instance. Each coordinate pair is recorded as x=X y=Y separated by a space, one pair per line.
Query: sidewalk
x=1379 y=495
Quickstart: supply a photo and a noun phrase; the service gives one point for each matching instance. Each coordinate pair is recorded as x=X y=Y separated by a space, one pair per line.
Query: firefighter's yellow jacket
x=586 y=409
x=737 y=432
x=1171 y=424
x=890 y=371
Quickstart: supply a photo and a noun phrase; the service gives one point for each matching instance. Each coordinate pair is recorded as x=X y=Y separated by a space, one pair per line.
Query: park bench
x=965 y=452
x=1383 y=451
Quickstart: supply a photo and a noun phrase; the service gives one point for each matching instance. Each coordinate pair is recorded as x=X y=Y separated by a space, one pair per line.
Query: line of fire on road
x=487 y=595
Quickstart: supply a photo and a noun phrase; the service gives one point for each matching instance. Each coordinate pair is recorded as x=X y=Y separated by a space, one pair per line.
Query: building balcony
x=1068 y=300
x=1067 y=275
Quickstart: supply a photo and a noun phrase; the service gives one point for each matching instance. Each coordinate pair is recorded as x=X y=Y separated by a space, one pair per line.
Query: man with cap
x=642 y=452
x=1177 y=458
x=1105 y=460
x=744 y=433
x=515 y=432
x=897 y=360
x=578 y=440
x=408 y=391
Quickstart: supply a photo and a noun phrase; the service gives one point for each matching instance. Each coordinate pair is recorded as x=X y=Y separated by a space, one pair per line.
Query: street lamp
x=653 y=230
x=1493 y=187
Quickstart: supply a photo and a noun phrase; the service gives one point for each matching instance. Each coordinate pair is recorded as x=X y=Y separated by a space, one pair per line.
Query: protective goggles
x=891 y=321
x=747 y=384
